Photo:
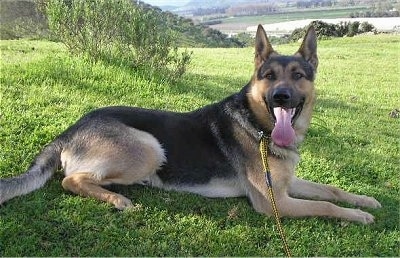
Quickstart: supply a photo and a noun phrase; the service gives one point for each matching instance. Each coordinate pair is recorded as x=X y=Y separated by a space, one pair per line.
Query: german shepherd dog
x=212 y=151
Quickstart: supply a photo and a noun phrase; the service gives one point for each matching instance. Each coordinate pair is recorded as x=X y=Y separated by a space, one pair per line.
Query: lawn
x=353 y=143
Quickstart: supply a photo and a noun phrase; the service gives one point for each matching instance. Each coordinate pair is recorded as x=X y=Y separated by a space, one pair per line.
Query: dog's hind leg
x=85 y=184
x=305 y=189
x=114 y=155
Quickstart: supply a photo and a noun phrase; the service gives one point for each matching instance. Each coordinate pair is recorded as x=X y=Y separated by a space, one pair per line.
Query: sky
x=166 y=2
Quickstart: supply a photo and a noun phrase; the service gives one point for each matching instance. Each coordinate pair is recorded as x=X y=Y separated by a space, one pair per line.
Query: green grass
x=352 y=143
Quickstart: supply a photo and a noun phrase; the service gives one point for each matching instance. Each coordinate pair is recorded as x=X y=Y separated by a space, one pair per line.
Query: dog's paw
x=363 y=217
x=366 y=201
x=121 y=202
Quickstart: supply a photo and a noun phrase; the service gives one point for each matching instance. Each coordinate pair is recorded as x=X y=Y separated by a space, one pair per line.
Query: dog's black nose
x=281 y=95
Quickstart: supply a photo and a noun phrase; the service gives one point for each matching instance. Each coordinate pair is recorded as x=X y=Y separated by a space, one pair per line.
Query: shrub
x=119 y=32
x=245 y=38
x=323 y=30
x=353 y=28
x=367 y=27
x=327 y=30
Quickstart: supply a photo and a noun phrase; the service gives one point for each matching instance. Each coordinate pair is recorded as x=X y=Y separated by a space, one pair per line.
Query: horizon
x=166 y=2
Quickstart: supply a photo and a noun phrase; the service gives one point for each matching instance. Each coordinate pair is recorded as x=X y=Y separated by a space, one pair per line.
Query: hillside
x=21 y=19
x=214 y=4
x=190 y=34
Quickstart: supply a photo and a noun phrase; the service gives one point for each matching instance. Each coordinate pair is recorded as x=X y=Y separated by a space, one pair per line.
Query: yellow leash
x=264 y=154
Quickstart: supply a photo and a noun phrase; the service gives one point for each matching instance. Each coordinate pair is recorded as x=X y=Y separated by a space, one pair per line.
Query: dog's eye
x=297 y=76
x=270 y=76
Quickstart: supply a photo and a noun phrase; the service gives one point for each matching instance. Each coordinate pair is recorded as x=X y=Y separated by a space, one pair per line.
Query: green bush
x=118 y=32
x=326 y=30
x=353 y=28
x=367 y=27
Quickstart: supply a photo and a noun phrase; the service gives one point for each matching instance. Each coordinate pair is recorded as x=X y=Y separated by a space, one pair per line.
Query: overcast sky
x=166 y=2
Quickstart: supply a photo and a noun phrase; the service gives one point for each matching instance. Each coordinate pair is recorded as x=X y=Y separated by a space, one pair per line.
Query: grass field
x=240 y=23
x=353 y=143
x=295 y=15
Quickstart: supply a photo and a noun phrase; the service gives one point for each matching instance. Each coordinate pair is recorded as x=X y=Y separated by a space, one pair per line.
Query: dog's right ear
x=263 y=46
x=308 y=49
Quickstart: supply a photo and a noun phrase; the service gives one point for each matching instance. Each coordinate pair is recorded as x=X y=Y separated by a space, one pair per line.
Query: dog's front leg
x=257 y=187
x=304 y=208
x=291 y=207
x=309 y=190
x=282 y=171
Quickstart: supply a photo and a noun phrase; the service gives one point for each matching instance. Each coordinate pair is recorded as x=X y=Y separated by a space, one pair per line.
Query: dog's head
x=281 y=92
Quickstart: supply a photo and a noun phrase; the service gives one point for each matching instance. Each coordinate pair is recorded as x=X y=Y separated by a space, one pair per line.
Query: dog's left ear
x=263 y=47
x=308 y=49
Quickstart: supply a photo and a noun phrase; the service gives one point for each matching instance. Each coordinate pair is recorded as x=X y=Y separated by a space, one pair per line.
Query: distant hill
x=209 y=4
x=194 y=35
x=168 y=7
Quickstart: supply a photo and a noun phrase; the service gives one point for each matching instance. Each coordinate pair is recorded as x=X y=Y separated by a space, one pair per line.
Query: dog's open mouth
x=283 y=133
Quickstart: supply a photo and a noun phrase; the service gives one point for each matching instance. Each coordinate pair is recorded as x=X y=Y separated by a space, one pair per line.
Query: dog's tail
x=40 y=171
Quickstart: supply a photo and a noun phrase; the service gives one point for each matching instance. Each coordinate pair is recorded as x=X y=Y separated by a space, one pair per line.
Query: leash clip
x=261 y=135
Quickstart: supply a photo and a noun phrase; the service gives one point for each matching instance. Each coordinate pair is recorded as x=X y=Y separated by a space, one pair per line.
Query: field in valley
x=287 y=22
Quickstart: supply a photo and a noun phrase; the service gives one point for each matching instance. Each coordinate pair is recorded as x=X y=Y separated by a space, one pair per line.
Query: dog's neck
x=243 y=115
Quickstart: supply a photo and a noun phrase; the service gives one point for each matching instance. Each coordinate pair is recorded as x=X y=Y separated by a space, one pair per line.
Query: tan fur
x=257 y=104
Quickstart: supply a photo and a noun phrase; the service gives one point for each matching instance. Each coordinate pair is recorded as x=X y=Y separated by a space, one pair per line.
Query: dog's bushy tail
x=40 y=171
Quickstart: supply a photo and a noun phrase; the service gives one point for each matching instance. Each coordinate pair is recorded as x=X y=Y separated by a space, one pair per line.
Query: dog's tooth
x=293 y=111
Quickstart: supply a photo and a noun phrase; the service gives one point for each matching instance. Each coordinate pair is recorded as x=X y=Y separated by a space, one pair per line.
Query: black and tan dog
x=213 y=151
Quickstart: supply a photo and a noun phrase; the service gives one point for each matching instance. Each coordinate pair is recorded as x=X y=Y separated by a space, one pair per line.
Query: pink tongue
x=283 y=133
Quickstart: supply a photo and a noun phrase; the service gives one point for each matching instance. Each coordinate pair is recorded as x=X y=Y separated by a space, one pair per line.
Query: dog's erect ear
x=308 y=49
x=263 y=46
